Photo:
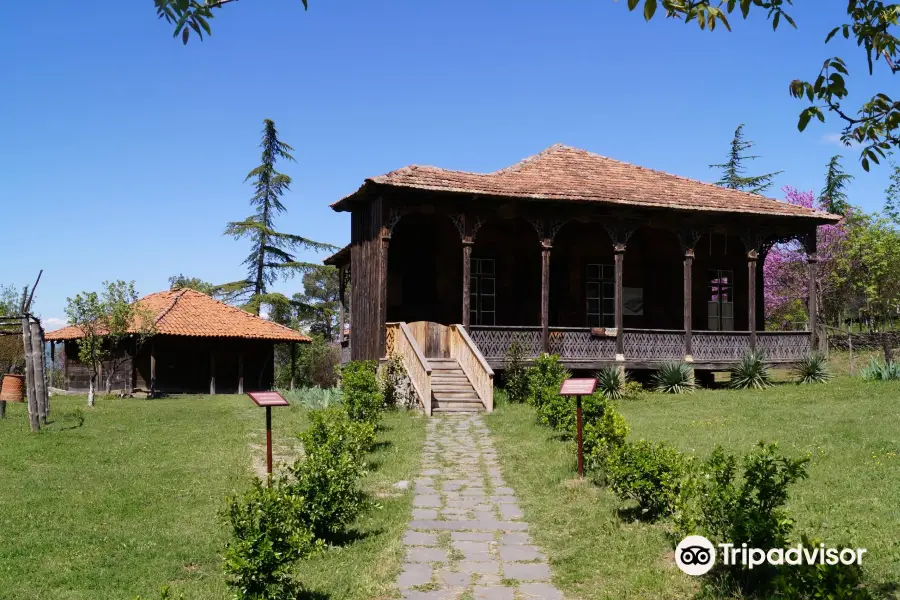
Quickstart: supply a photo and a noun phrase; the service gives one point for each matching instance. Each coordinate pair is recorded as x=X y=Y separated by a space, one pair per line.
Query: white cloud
x=53 y=322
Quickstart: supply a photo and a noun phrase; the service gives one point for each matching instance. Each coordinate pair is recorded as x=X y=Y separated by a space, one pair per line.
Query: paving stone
x=424 y=513
x=493 y=592
x=426 y=500
x=514 y=539
x=500 y=491
x=526 y=571
x=414 y=574
x=469 y=525
x=430 y=472
x=471 y=536
x=542 y=591
x=487 y=568
x=510 y=511
x=519 y=553
x=417 y=538
x=442 y=594
x=454 y=578
x=426 y=555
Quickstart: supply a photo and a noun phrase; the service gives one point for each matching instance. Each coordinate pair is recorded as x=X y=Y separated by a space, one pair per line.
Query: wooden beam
x=545 y=295
x=619 y=250
x=688 y=303
x=37 y=361
x=751 y=293
x=813 y=262
x=294 y=359
x=33 y=411
x=467 y=283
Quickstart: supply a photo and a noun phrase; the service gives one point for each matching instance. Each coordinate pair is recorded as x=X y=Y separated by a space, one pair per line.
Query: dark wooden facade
x=182 y=364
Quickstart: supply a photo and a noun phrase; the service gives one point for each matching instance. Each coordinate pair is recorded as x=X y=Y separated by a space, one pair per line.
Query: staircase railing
x=473 y=364
x=399 y=341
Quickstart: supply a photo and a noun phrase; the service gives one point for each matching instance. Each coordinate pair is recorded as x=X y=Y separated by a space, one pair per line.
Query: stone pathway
x=466 y=540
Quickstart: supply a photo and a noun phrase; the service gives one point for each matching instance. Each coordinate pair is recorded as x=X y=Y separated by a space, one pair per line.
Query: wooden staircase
x=451 y=390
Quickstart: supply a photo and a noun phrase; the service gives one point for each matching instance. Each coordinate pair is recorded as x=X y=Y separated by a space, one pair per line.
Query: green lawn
x=118 y=500
x=850 y=427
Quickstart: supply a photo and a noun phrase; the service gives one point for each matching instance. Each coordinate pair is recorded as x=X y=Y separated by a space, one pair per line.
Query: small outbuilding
x=200 y=345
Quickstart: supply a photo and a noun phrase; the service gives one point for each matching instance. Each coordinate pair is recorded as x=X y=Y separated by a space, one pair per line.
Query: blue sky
x=128 y=150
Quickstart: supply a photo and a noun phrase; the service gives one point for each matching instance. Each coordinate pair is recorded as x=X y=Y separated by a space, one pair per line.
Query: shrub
x=362 y=397
x=674 y=378
x=605 y=431
x=632 y=389
x=318 y=363
x=881 y=371
x=515 y=375
x=328 y=476
x=394 y=384
x=267 y=536
x=611 y=382
x=810 y=582
x=747 y=510
x=544 y=379
x=750 y=373
x=650 y=474
x=813 y=369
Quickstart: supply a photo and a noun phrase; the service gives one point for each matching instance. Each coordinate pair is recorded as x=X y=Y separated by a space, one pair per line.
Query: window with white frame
x=601 y=295
x=483 y=292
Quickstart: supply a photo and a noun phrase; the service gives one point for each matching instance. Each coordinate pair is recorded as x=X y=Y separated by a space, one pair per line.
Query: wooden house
x=200 y=345
x=599 y=261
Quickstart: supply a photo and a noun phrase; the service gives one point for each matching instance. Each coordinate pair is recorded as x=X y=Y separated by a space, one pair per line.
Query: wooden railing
x=473 y=364
x=720 y=346
x=783 y=346
x=653 y=345
x=399 y=341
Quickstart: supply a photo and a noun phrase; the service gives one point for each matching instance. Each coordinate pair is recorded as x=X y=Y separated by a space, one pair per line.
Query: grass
x=848 y=426
x=121 y=499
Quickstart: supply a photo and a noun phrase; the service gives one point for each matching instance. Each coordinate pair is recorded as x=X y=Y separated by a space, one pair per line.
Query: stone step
x=457 y=408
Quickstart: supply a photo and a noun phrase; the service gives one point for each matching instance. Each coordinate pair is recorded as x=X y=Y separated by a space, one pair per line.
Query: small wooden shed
x=201 y=345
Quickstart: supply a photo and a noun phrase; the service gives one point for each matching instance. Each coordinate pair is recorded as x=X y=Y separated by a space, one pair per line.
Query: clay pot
x=13 y=388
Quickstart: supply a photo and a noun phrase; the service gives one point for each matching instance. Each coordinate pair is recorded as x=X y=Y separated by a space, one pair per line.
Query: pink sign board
x=578 y=387
x=267 y=399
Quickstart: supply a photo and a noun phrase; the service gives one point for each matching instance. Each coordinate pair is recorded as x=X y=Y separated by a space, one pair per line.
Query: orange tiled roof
x=565 y=173
x=190 y=313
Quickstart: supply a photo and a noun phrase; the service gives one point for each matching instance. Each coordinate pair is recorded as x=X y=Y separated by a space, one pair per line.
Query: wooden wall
x=366 y=299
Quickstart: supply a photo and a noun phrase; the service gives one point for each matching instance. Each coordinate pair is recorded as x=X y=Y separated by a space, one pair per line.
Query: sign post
x=268 y=400
x=579 y=387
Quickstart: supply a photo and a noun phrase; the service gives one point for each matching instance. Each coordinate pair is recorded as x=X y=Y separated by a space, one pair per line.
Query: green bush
x=605 y=431
x=515 y=375
x=632 y=389
x=749 y=509
x=750 y=373
x=812 y=582
x=674 y=378
x=267 y=536
x=881 y=371
x=362 y=395
x=328 y=476
x=813 y=369
x=545 y=377
x=650 y=474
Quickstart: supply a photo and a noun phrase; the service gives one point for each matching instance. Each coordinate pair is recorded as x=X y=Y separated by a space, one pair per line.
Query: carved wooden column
x=688 y=239
x=812 y=259
x=467 y=244
x=619 y=250
x=752 y=255
x=387 y=230
x=546 y=245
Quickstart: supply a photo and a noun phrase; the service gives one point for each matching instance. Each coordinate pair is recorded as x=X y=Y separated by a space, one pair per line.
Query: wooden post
x=688 y=304
x=545 y=295
x=33 y=411
x=813 y=261
x=152 y=369
x=467 y=283
x=382 y=292
x=212 y=373
x=37 y=361
x=241 y=373
x=579 y=436
x=52 y=364
x=752 y=255
x=619 y=250
x=294 y=360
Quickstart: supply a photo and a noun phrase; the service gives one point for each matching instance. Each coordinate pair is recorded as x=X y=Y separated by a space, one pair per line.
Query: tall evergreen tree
x=833 y=197
x=271 y=255
x=733 y=170
x=892 y=196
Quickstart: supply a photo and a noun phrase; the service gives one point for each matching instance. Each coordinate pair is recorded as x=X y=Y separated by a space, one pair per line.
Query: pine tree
x=733 y=170
x=271 y=255
x=833 y=197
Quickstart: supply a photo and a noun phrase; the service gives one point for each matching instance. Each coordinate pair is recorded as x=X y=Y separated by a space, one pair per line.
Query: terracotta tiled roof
x=190 y=313
x=565 y=173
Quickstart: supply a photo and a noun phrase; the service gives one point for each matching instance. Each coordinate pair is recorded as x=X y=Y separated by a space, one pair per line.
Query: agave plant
x=674 y=378
x=750 y=373
x=813 y=369
x=611 y=383
x=879 y=371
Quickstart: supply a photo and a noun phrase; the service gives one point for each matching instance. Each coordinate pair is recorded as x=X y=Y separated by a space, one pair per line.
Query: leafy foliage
x=813 y=369
x=328 y=476
x=611 y=382
x=181 y=282
x=751 y=372
x=192 y=15
x=881 y=371
x=545 y=377
x=318 y=363
x=728 y=508
x=318 y=307
x=833 y=196
x=515 y=375
x=604 y=432
x=674 y=378
x=267 y=535
x=808 y=582
x=734 y=169
x=649 y=473
x=271 y=254
x=362 y=396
